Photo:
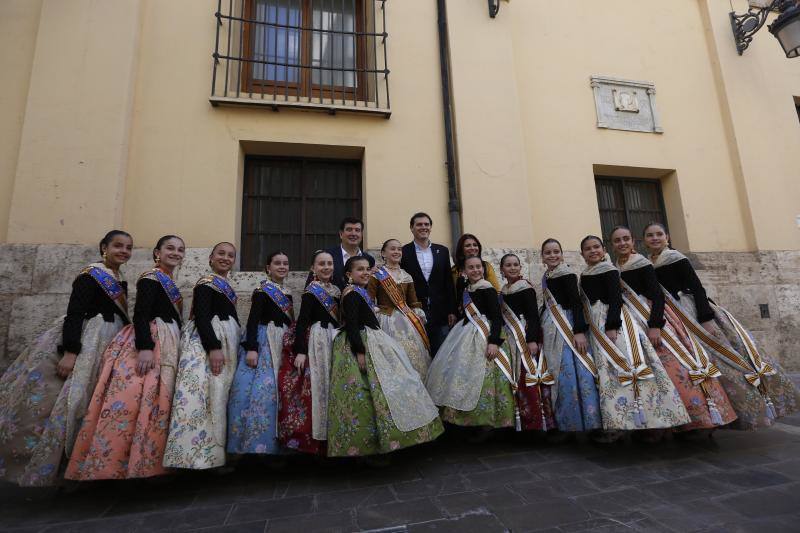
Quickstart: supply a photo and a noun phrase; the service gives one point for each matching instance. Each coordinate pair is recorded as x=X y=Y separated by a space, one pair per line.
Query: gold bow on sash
x=754 y=367
x=565 y=329
x=536 y=372
x=502 y=360
x=630 y=371
x=699 y=367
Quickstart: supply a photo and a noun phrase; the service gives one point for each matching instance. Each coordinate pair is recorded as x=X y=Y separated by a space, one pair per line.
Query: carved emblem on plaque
x=625 y=104
x=627 y=101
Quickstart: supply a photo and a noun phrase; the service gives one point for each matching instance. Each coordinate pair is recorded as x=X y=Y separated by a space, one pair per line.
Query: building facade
x=263 y=122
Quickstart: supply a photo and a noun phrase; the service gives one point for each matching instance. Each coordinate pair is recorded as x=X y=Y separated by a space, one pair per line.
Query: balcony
x=321 y=55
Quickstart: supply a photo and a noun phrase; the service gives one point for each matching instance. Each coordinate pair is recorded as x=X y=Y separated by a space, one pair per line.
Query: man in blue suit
x=429 y=266
x=351 y=233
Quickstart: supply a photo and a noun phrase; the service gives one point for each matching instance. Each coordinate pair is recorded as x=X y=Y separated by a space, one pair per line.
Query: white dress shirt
x=346 y=256
x=425 y=259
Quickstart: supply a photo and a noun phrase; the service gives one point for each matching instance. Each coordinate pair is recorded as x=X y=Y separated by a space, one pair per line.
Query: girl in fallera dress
x=520 y=313
x=756 y=385
x=206 y=366
x=469 y=246
x=45 y=392
x=575 y=396
x=399 y=312
x=694 y=375
x=125 y=430
x=635 y=390
x=253 y=402
x=471 y=376
x=303 y=381
x=377 y=402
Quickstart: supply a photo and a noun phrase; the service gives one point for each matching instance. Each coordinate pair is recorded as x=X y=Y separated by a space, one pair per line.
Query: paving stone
x=200 y=517
x=511 y=460
x=469 y=523
x=771 y=525
x=688 y=516
x=577 y=467
x=252 y=511
x=751 y=479
x=763 y=503
x=257 y=526
x=501 y=477
x=676 y=469
x=787 y=468
x=542 y=514
x=350 y=499
x=148 y=503
x=317 y=522
x=396 y=514
x=429 y=487
x=635 y=476
x=594 y=524
x=614 y=503
x=555 y=488
x=689 y=488
x=489 y=499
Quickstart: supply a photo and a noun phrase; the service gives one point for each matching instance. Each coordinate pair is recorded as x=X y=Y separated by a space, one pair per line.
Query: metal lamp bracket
x=494 y=7
x=747 y=24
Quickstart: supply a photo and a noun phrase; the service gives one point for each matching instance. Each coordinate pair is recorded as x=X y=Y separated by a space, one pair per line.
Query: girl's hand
x=654 y=334
x=66 y=364
x=612 y=334
x=580 y=343
x=216 y=360
x=492 y=351
x=362 y=362
x=300 y=362
x=533 y=347
x=145 y=362
x=251 y=359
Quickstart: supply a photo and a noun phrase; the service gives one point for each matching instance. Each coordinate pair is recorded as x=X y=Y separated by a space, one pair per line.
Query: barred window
x=328 y=53
x=629 y=202
x=295 y=205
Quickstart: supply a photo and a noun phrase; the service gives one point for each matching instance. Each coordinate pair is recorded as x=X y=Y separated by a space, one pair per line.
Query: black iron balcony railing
x=326 y=55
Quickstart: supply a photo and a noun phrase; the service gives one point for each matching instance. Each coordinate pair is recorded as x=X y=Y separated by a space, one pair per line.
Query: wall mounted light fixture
x=494 y=8
x=785 y=28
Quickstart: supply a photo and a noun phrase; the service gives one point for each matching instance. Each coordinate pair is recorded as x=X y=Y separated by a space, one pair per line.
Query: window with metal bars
x=629 y=202
x=295 y=205
x=309 y=53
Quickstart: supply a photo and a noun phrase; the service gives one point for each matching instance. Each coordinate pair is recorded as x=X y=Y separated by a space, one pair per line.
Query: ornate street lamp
x=494 y=8
x=785 y=28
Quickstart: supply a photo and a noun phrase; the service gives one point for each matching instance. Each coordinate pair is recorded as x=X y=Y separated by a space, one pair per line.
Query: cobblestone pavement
x=734 y=482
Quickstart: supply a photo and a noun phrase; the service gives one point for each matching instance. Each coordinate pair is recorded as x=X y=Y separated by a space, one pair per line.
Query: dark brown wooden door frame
x=307 y=172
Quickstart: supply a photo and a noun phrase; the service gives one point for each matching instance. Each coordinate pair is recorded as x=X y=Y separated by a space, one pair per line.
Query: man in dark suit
x=429 y=265
x=351 y=233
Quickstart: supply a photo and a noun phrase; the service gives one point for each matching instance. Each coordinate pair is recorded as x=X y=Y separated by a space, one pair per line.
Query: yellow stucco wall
x=127 y=136
x=72 y=160
x=186 y=159
x=18 y=27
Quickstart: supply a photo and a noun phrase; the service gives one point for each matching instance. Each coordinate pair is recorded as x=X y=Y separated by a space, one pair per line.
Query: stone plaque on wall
x=625 y=104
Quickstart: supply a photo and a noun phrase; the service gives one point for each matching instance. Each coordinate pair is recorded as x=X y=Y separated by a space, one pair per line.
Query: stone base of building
x=35 y=282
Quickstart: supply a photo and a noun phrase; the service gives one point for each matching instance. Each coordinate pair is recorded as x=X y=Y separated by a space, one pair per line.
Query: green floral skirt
x=495 y=406
x=359 y=421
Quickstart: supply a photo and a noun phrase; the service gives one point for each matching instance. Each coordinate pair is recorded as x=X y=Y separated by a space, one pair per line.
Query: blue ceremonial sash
x=107 y=282
x=220 y=284
x=277 y=295
x=166 y=282
x=324 y=297
x=110 y=286
x=364 y=294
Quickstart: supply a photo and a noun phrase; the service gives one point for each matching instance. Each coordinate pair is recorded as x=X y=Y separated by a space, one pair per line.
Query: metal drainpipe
x=454 y=202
